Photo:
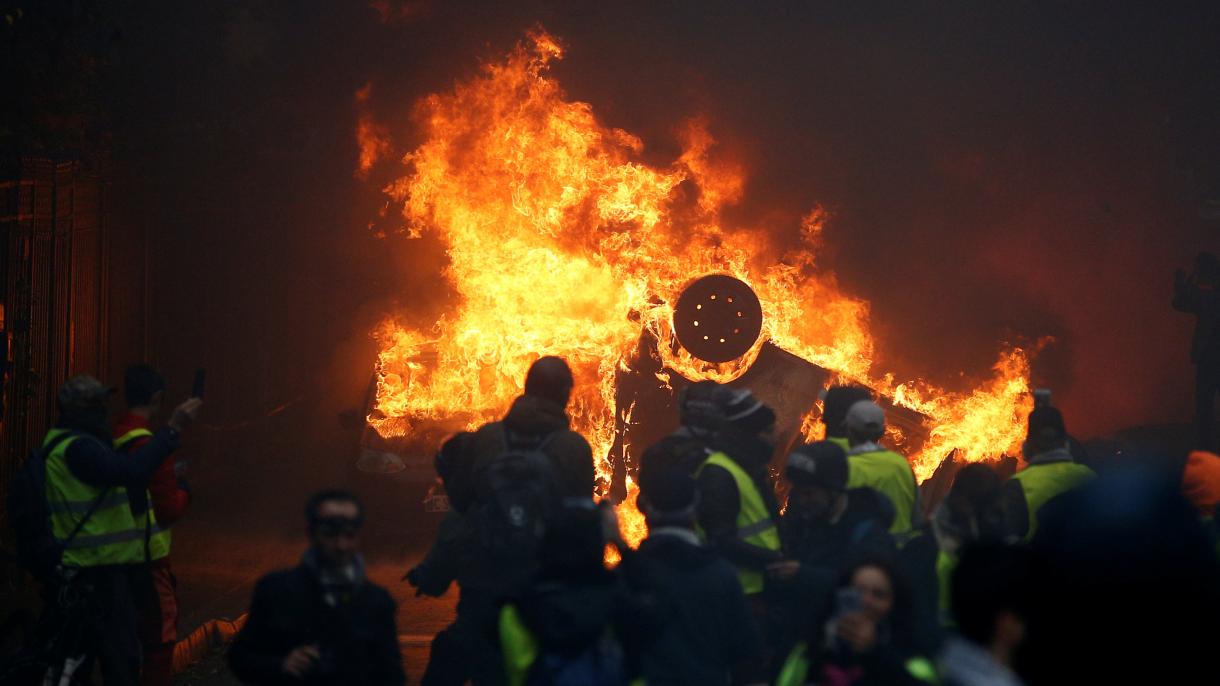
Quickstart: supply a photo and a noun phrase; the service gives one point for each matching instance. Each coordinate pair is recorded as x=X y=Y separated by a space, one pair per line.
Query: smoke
x=993 y=174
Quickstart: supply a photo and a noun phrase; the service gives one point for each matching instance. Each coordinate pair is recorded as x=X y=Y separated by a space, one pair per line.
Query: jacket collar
x=1051 y=456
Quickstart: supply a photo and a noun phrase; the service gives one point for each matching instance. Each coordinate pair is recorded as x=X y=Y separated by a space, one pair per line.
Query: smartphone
x=1042 y=397
x=847 y=601
x=197 y=387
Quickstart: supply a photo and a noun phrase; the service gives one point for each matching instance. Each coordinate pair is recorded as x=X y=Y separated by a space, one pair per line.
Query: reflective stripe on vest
x=754 y=522
x=111 y=536
x=889 y=474
x=158 y=538
x=1041 y=482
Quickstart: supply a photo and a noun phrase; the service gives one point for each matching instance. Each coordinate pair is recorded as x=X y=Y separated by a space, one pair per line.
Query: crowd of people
x=819 y=566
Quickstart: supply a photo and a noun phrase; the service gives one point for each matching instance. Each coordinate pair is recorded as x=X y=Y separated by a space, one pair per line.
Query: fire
x=562 y=242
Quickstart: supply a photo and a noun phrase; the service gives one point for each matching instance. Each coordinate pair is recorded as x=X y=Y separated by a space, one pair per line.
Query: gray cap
x=866 y=417
x=83 y=391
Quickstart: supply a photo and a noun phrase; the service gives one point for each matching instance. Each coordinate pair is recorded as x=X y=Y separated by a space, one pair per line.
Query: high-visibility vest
x=1041 y=482
x=158 y=538
x=111 y=536
x=889 y=474
x=755 y=524
x=520 y=647
x=795 y=671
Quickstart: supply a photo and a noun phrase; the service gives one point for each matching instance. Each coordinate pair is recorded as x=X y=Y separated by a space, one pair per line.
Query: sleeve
x=169 y=497
x=389 y=668
x=1015 y=511
x=719 y=504
x=250 y=657
x=99 y=465
x=439 y=567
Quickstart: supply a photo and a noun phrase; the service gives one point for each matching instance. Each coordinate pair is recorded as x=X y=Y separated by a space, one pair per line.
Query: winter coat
x=358 y=638
x=705 y=625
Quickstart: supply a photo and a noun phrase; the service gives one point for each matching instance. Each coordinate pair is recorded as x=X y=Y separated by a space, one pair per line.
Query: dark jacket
x=720 y=503
x=534 y=419
x=568 y=618
x=705 y=627
x=358 y=639
x=1205 y=305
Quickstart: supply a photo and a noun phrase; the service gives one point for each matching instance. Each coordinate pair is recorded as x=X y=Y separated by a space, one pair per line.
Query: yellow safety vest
x=840 y=441
x=888 y=473
x=158 y=538
x=111 y=536
x=795 y=671
x=755 y=524
x=1041 y=482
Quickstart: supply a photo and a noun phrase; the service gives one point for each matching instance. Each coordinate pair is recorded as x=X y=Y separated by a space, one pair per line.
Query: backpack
x=29 y=515
x=600 y=664
x=521 y=492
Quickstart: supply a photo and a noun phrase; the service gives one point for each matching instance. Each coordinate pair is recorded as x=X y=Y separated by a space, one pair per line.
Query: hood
x=865 y=504
x=533 y=416
x=677 y=553
x=569 y=617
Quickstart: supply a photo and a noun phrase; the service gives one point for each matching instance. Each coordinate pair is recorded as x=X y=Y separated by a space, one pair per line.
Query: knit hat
x=837 y=401
x=82 y=392
x=866 y=417
x=747 y=413
x=818 y=464
x=1046 y=423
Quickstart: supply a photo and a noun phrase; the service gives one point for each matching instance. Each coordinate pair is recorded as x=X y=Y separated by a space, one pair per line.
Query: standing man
x=154 y=586
x=321 y=622
x=87 y=486
x=885 y=471
x=835 y=405
x=1199 y=294
x=1050 y=472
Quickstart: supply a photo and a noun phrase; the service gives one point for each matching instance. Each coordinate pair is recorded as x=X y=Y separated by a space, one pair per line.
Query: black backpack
x=30 y=517
x=521 y=493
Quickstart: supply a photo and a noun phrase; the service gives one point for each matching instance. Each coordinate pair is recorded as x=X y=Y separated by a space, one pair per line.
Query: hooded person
x=823 y=527
x=872 y=466
x=1050 y=472
x=705 y=633
x=576 y=623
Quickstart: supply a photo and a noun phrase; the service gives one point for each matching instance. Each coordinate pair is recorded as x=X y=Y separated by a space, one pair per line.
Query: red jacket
x=169 y=498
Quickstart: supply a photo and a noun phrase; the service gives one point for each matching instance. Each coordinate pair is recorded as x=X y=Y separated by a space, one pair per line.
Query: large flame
x=562 y=242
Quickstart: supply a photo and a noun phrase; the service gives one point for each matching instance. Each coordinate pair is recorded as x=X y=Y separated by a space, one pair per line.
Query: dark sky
x=994 y=171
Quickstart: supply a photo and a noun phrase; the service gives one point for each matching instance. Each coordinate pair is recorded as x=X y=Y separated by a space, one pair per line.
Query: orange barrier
x=213 y=635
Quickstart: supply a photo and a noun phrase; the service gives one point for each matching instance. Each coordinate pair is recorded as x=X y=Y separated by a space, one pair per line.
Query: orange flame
x=561 y=242
x=372 y=138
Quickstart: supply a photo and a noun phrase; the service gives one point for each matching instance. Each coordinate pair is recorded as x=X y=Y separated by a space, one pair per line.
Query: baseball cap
x=866 y=417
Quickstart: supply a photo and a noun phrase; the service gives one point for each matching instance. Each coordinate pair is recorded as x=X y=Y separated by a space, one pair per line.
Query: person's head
x=746 y=415
x=143 y=388
x=334 y=518
x=702 y=407
x=1207 y=268
x=881 y=587
x=82 y=401
x=835 y=405
x=974 y=500
x=550 y=378
x=818 y=474
x=1047 y=431
x=865 y=422
x=453 y=466
x=989 y=594
x=668 y=496
x=573 y=545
